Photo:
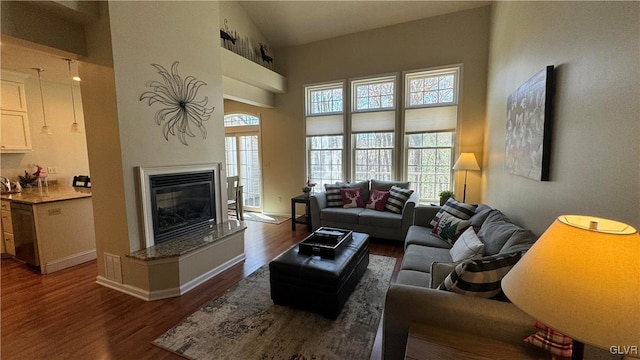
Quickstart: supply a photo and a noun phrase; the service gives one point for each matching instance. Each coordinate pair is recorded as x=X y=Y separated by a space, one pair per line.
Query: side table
x=304 y=219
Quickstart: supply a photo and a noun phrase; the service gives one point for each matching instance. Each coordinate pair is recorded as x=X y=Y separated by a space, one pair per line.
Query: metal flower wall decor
x=180 y=110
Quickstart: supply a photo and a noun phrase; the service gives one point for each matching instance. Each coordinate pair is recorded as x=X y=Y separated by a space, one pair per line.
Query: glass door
x=242 y=147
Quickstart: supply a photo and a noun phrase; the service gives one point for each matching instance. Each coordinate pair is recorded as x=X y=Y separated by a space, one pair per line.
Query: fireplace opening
x=181 y=203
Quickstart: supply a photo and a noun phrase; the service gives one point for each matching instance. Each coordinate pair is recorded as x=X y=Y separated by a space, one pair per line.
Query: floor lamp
x=466 y=162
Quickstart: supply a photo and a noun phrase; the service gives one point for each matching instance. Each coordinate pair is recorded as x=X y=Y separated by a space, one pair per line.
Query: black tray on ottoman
x=324 y=242
x=319 y=284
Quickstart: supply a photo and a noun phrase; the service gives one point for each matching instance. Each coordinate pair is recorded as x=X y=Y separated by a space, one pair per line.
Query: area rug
x=271 y=219
x=245 y=324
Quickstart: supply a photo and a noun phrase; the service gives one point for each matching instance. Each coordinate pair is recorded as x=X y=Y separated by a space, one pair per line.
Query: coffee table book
x=324 y=242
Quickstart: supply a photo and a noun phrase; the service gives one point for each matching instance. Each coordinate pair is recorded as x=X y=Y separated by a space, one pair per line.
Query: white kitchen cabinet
x=14 y=119
x=7 y=228
x=14 y=128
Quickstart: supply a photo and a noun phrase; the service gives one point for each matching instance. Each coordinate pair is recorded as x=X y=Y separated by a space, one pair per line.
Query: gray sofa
x=379 y=224
x=412 y=297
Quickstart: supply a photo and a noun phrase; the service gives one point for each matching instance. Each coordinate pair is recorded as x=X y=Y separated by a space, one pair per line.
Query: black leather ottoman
x=319 y=284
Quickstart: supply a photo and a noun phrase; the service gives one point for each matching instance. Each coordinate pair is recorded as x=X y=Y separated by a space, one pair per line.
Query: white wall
x=65 y=150
x=595 y=155
x=121 y=130
x=457 y=38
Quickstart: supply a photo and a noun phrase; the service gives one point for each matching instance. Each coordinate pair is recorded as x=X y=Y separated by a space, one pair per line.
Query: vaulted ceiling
x=290 y=23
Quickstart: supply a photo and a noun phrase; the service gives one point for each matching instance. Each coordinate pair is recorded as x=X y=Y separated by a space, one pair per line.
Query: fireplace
x=178 y=200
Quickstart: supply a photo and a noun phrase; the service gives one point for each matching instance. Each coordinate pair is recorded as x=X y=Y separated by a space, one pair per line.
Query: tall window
x=325 y=132
x=373 y=119
x=431 y=116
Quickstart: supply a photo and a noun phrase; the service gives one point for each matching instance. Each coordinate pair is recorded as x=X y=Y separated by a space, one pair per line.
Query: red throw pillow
x=377 y=199
x=351 y=198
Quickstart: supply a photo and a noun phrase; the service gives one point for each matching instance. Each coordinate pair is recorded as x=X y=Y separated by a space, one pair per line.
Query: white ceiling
x=290 y=23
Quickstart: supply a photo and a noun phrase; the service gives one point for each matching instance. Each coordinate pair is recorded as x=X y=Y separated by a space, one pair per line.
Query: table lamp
x=466 y=162
x=582 y=278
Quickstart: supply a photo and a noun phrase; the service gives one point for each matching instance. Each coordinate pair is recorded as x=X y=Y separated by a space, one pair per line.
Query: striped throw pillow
x=334 y=197
x=397 y=198
x=480 y=277
x=458 y=209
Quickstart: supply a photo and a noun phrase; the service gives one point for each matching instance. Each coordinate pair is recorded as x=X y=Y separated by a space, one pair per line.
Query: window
x=325 y=99
x=431 y=118
x=376 y=94
x=384 y=134
x=373 y=154
x=373 y=122
x=325 y=159
x=429 y=88
x=240 y=120
x=325 y=132
x=429 y=163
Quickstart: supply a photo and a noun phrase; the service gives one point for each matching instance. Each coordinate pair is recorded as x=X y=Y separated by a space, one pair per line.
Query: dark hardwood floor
x=66 y=315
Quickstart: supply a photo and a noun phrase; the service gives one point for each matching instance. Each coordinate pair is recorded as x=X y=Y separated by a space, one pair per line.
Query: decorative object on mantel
x=74 y=126
x=529 y=126
x=45 y=129
x=177 y=95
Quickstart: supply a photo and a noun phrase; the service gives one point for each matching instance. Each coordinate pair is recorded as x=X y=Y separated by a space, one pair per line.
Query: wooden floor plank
x=66 y=315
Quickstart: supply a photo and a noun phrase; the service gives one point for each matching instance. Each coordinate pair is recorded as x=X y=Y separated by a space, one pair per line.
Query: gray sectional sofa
x=379 y=224
x=414 y=298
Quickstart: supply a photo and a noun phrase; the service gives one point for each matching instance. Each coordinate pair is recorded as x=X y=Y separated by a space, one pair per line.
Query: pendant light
x=45 y=129
x=74 y=127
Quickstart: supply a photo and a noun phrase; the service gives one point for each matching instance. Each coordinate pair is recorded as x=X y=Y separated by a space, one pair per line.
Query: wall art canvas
x=529 y=126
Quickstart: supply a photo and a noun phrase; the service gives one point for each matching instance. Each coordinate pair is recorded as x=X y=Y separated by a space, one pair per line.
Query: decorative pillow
x=467 y=246
x=377 y=200
x=551 y=340
x=351 y=198
x=439 y=271
x=450 y=227
x=397 y=198
x=334 y=198
x=460 y=210
x=480 y=277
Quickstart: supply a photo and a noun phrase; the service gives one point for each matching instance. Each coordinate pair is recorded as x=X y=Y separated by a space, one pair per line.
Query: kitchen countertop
x=51 y=193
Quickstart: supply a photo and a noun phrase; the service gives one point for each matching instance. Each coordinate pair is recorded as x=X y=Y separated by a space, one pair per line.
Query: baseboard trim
x=172 y=292
x=211 y=273
x=69 y=261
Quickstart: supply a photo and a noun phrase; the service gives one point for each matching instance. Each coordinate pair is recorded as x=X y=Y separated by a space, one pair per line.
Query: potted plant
x=306 y=190
x=445 y=195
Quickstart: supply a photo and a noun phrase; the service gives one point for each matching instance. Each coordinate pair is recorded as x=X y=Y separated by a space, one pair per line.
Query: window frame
x=409 y=75
x=354 y=83
x=308 y=89
x=407 y=148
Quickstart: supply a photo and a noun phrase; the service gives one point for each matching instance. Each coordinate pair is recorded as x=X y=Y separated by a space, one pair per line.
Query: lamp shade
x=466 y=161
x=582 y=278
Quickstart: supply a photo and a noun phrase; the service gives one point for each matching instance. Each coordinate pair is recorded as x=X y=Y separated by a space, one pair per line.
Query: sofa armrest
x=407 y=304
x=423 y=214
x=408 y=210
x=317 y=202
